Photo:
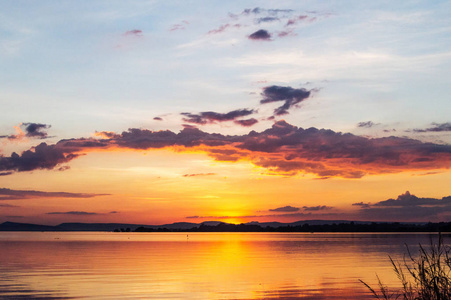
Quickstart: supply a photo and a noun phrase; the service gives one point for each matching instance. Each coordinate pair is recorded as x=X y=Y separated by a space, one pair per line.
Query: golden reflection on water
x=195 y=266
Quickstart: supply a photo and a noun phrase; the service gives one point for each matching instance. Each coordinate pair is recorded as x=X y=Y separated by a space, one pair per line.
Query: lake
x=106 y=265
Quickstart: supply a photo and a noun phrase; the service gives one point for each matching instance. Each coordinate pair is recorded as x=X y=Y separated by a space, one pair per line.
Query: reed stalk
x=427 y=277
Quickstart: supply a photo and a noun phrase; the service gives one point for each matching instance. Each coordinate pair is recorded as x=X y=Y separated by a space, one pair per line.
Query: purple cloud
x=361 y=204
x=36 y=130
x=317 y=208
x=247 y=122
x=287 y=208
x=408 y=207
x=261 y=35
x=438 y=127
x=42 y=156
x=209 y=117
x=289 y=95
x=9 y=194
x=134 y=32
x=367 y=124
x=282 y=149
x=77 y=213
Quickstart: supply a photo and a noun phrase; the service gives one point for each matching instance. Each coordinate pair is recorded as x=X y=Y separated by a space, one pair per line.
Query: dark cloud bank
x=437 y=127
x=407 y=207
x=282 y=149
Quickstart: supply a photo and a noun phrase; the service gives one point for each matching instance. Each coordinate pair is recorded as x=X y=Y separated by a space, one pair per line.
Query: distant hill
x=11 y=226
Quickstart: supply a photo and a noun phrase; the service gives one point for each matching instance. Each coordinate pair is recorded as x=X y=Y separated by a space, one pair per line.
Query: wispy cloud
x=179 y=26
x=209 y=117
x=134 y=32
x=367 y=124
x=8 y=205
x=437 y=127
x=76 y=213
x=198 y=174
x=317 y=208
x=223 y=28
x=361 y=204
x=9 y=194
x=279 y=19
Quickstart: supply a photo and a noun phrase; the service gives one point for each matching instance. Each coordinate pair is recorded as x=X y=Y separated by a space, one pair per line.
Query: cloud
x=8 y=205
x=300 y=19
x=6 y=173
x=290 y=95
x=77 y=213
x=32 y=130
x=283 y=149
x=114 y=212
x=292 y=215
x=285 y=33
x=272 y=11
x=367 y=124
x=158 y=119
x=438 y=127
x=285 y=209
x=247 y=122
x=285 y=19
x=408 y=199
x=179 y=26
x=361 y=204
x=256 y=10
x=198 y=174
x=223 y=27
x=266 y=20
x=260 y=35
x=9 y=194
x=42 y=156
x=134 y=32
x=317 y=208
x=208 y=117
x=36 y=130
x=407 y=207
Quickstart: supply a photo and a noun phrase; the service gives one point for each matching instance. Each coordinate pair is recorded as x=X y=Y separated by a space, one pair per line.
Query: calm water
x=87 y=265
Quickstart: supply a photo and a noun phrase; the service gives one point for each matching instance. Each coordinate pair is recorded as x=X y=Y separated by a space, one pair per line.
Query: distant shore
x=335 y=227
x=216 y=226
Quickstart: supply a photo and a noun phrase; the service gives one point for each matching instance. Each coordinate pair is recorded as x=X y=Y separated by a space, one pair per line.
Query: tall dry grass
x=427 y=277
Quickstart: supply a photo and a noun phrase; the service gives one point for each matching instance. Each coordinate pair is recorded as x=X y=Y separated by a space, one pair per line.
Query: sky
x=153 y=112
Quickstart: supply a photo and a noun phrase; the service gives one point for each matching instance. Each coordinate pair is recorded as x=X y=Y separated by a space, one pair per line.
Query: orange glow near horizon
x=150 y=187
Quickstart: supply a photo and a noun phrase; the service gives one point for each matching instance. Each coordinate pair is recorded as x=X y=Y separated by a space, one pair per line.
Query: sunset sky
x=153 y=112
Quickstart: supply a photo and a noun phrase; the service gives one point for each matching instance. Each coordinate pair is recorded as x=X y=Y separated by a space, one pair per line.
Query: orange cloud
x=282 y=149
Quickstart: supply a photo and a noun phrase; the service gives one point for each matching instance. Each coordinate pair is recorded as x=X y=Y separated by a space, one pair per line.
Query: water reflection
x=205 y=266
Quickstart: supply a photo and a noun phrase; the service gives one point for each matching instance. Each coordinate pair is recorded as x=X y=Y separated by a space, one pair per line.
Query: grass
x=426 y=277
